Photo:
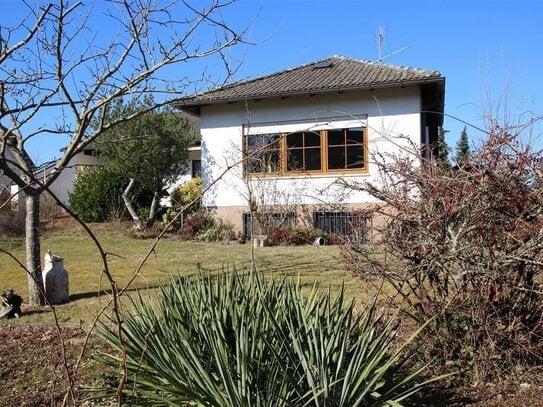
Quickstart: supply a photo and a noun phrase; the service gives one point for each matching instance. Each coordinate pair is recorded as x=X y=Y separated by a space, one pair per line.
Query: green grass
x=320 y=264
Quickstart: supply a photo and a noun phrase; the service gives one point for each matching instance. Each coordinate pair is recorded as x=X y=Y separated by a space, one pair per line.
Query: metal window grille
x=355 y=227
x=271 y=219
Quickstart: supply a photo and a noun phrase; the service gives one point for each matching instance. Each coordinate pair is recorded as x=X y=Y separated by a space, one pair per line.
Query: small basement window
x=353 y=226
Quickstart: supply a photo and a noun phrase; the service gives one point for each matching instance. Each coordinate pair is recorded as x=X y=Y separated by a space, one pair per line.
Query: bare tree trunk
x=133 y=214
x=33 y=256
x=153 y=210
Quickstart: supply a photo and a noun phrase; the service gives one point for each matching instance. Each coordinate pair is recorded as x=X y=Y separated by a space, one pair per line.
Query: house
x=64 y=184
x=12 y=204
x=91 y=158
x=282 y=141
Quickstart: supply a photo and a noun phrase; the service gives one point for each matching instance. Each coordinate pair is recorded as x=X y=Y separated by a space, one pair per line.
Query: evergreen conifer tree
x=442 y=149
x=462 y=148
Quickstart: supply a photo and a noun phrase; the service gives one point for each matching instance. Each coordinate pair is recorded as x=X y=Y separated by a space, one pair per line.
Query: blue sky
x=489 y=51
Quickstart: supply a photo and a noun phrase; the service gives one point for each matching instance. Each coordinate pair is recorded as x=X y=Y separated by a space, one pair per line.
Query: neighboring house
x=90 y=158
x=12 y=204
x=302 y=129
x=64 y=184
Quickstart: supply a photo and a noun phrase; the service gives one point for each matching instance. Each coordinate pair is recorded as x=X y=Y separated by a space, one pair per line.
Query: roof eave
x=195 y=108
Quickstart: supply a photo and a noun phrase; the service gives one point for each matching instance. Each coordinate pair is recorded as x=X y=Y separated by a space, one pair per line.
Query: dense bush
x=238 y=340
x=202 y=225
x=11 y=215
x=189 y=192
x=219 y=231
x=466 y=244
x=97 y=195
x=298 y=235
x=194 y=224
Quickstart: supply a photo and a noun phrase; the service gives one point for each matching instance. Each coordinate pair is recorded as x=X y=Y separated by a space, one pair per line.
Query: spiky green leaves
x=236 y=340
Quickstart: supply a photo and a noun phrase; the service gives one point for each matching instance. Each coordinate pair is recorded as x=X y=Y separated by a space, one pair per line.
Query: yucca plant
x=240 y=340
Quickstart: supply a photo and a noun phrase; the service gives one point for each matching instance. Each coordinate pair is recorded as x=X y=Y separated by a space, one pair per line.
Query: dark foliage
x=202 y=225
x=96 y=196
x=298 y=235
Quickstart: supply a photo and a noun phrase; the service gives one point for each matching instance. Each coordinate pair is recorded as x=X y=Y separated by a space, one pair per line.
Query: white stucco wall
x=64 y=184
x=186 y=175
x=391 y=115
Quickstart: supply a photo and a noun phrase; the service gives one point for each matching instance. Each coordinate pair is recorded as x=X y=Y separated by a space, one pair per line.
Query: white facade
x=64 y=184
x=187 y=174
x=12 y=207
x=392 y=117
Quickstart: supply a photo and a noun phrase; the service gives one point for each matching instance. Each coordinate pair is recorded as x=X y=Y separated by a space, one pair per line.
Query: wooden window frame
x=324 y=151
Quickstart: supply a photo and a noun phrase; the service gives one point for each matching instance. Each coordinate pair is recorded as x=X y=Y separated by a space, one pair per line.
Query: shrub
x=466 y=243
x=97 y=195
x=202 y=225
x=298 y=235
x=194 y=224
x=167 y=215
x=219 y=231
x=236 y=340
x=188 y=192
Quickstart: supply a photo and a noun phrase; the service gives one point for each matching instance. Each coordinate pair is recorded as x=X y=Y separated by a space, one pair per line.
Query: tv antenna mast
x=381 y=34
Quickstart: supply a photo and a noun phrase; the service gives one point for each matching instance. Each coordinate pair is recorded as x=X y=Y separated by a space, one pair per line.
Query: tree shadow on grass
x=101 y=293
x=158 y=284
x=27 y=310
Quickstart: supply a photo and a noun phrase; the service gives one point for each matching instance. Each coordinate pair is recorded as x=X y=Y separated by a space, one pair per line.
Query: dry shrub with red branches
x=465 y=244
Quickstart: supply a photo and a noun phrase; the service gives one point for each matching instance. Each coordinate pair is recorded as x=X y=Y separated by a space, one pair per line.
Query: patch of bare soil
x=489 y=395
x=32 y=371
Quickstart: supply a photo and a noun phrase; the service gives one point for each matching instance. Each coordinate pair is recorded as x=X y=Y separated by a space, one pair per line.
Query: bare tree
x=57 y=73
x=464 y=246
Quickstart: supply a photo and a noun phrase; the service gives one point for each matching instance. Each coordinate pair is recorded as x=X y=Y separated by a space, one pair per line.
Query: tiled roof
x=332 y=74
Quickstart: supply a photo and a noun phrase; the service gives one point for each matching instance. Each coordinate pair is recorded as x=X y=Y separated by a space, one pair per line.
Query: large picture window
x=264 y=153
x=303 y=151
x=346 y=149
x=323 y=151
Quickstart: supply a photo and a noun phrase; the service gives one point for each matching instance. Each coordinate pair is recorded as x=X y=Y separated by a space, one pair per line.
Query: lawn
x=30 y=355
x=88 y=285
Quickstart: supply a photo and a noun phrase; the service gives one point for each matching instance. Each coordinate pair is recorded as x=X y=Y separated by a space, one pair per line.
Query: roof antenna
x=380 y=41
x=380 y=44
